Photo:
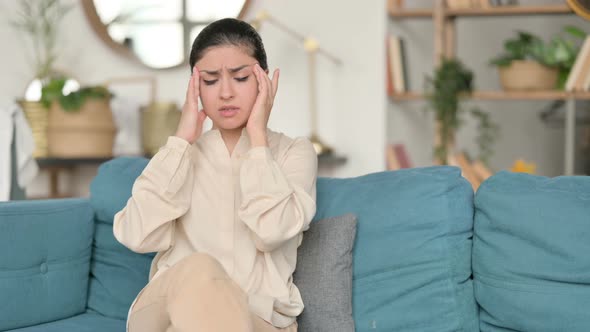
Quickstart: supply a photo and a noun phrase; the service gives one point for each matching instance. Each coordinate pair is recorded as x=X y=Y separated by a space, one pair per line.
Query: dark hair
x=228 y=31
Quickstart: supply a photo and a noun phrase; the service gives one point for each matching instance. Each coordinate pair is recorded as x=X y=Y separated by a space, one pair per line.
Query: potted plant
x=64 y=124
x=39 y=21
x=451 y=83
x=531 y=64
x=80 y=123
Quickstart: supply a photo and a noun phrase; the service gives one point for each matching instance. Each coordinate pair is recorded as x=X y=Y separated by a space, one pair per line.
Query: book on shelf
x=404 y=64
x=481 y=170
x=586 y=85
x=397 y=4
x=397 y=157
x=577 y=72
x=396 y=64
x=474 y=171
x=459 y=4
x=497 y=3
x=484 y=4
x=402 y=155
x=584 y=73
x=391 y=162
x=477 y=4
x=467 y=170
x=388 y=75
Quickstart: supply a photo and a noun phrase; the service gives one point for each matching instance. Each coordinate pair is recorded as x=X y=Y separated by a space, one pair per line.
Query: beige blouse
x=247 y=210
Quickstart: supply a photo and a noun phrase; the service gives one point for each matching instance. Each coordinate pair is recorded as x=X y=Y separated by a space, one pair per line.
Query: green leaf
x=53 y=92
x=575 y=31
x=452 y=81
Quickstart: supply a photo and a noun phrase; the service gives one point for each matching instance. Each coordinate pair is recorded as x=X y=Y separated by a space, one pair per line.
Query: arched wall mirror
x=581 y=7
x=158 y=33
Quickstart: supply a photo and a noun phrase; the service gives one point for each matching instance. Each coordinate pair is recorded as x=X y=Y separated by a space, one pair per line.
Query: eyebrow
x=231 y=70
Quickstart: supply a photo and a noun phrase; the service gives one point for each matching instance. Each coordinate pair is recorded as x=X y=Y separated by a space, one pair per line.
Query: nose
x=226 y=92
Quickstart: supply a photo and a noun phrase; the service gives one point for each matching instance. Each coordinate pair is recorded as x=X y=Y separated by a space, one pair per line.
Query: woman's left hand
x=258 y=120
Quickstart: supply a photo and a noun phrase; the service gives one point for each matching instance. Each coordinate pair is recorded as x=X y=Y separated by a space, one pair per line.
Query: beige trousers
x=196 y=295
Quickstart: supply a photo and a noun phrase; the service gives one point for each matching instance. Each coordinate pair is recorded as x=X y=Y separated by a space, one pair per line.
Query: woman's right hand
x=190 y=126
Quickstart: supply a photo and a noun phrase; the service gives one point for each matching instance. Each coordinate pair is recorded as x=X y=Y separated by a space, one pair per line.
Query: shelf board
x=504 y=95
x=331 y=160
x=492 y=11
x=409 y=13
x=57 y=162
x=512 y=10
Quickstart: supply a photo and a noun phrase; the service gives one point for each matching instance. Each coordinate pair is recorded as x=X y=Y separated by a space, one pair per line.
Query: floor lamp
x=312 y=48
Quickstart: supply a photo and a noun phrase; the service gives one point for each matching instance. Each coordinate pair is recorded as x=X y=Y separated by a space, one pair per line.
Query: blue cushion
x=111 y=188
x=531 y=255
x=117 y=273
x=88 y=322
x=412 y=255
x=45 y=262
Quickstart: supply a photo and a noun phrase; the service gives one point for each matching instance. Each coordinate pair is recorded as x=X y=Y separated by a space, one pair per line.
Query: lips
x=228 y=111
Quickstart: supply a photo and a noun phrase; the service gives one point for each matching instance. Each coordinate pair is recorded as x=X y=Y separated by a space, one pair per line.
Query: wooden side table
x=56 y=165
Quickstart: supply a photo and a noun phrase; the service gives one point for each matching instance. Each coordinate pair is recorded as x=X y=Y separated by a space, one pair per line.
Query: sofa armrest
x=45 y=250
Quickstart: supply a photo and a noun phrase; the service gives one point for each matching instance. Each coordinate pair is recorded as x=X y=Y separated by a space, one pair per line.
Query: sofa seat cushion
x=531 y=254
x=87 y=322
x=412 y=253
x=45 y=260
x=117 y=273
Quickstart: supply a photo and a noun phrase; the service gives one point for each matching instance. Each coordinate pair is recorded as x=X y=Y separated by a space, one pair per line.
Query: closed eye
x=242 y=79
x=211 y=82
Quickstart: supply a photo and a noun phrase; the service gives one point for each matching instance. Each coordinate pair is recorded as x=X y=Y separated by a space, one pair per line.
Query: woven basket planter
x=37 y=117
x=158 y=121
x=528 y=75
x=86 y=133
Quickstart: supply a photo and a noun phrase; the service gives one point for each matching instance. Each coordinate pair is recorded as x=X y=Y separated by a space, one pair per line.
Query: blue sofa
x=429 y=255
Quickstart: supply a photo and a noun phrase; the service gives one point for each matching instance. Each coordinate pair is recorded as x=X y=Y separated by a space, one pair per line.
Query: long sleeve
x=160 y=195
x=278 y=201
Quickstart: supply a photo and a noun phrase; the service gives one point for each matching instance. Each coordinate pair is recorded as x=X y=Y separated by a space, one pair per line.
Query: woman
x=225 y=210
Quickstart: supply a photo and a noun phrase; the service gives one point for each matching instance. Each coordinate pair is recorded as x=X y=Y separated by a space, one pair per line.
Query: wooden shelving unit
x=445 y=46
x=504 y=95
x=492 y=11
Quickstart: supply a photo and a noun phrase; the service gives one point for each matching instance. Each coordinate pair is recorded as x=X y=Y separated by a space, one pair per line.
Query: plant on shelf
x=76 y=124
x=39 y=21
x=80 y=123
x=529 y=63
x=72 y=102
x=452 y=82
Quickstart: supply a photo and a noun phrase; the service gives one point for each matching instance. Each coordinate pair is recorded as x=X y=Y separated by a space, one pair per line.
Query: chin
x=231 y=125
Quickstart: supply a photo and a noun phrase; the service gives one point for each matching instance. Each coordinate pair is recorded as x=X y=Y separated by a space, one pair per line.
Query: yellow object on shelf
x=521 y=166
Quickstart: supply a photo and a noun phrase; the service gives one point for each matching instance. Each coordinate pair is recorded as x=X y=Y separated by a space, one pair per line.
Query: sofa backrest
x=412 y=256
x=46 y=247
x=117 y=274
x=531 y=253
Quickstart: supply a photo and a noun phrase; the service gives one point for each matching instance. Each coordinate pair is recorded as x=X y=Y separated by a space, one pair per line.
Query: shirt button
x=43 y=268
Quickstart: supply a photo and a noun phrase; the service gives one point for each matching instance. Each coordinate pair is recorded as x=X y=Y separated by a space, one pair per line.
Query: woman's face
x=228 y=87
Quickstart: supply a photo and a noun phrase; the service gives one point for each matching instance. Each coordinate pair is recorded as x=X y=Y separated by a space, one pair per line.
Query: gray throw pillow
x=324 y=275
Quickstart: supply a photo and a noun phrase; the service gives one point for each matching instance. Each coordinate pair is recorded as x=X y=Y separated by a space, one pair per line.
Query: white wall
x=355 y=116
x=523 y=134
x=351 y=97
